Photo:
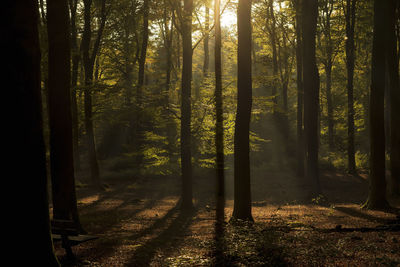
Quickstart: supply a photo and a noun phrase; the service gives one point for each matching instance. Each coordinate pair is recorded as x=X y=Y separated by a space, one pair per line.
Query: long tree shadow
x=355 y=213
x=165 y=240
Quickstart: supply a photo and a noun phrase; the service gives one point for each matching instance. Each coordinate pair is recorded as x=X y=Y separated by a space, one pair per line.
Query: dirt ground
x=139 y=223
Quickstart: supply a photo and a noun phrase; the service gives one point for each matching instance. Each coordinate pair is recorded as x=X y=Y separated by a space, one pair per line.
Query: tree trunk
x=186 y=109
x=377 y=188
x=393 y=71
x=88 y=62
x=26 y=159
x=350 y=54
x=242 y=190
x=60 y=115
x=139 y=89
x=73 y=4
x=219 y=125
x=206 y=40
x=300 y=92
x=273 y=38
x=311 y=92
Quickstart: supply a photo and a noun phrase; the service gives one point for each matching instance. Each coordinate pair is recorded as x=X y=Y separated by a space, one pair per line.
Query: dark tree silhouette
x=393 y=71
x=311 y=92
x=350 y=57
x=242 y=190
x=377 y=188
x=20 y=38
x=88 y=62
x=219 y=125
x=60 y=114
x=186 y=106
x=300 y=92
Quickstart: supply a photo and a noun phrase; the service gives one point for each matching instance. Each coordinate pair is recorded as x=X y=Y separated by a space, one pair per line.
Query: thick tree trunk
x=60 y=115
x=350 y=55
x=377 y=188
x=219 y=125
x=393 y=71
x=242 y=190
x=26 y=160
x=186 y=106
x=311 y=92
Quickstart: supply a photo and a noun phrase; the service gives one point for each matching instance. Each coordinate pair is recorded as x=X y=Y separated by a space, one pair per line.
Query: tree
x=219 y=124
x=393 y=73
x=75 y=55
x=206 y=40
x=141 y=77
x=186 y=108
x=19 y=30
x=328 y=58
x=350 y=54
x=60 y=115
x=88 y=62
x=242 y=190
x=300 y=92
x=377 y=188
x=311 y=92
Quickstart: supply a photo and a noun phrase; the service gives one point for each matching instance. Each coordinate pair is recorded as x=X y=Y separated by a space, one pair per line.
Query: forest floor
x=139 y=223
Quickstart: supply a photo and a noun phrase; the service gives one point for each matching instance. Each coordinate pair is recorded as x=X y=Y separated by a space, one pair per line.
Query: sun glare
x=228 y=17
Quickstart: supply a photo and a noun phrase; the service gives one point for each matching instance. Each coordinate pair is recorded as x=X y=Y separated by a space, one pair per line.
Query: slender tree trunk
x=242 y=190
x=186 y=106
x=219 y=125
x=311 y=92
x=273 y=38
x=331 y=125
x=26 y=160
x=377 y=187
x=350 y=55
x=74 y=82
x=328 y=63
x=300 y=92
x=393 y=71
x=219 y=138
x=206 y=41
x=170 y=125
x=88 y=62
x=141 y=81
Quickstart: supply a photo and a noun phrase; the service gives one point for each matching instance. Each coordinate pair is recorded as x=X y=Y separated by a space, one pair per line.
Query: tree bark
x=242 y=190
x=393 y=73
x=26 y=159
x=350 y=56
x=60 y=114
x=377 y=188
x=206 y=40
x=141 y=80
x=219 y=125
x=73 y=4
x=300 y=92
x=88 y=62
x=328 y=62
x=186 y=106
x=273 y=38
x=311 y=92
